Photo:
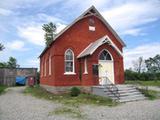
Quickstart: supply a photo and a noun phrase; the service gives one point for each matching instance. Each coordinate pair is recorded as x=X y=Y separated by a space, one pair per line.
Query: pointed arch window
x=69 y=62
x=105 y=55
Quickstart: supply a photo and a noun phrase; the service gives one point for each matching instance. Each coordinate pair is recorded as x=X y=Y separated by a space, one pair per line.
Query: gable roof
x=89 y=50
x=91 y=11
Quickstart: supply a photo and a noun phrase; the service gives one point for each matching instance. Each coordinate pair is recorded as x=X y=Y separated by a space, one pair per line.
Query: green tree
x=153 y=64
x=50 y=32
x=12 y=63
x=1 y=47
x=139 y=65
x=3 y=64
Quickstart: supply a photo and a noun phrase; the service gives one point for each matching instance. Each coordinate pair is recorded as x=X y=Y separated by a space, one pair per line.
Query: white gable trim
x=99 y=42
x=109 y=41
x=114 y=46
x=84 y=50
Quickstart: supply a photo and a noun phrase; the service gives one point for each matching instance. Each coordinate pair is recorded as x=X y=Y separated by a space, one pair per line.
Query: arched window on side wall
x=69 y=62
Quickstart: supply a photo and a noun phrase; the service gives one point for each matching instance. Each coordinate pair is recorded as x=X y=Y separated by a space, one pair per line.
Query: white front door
x=106 y=68
x=105 y=71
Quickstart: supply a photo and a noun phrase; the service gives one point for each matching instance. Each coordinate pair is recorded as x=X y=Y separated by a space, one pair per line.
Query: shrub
x=75 y=91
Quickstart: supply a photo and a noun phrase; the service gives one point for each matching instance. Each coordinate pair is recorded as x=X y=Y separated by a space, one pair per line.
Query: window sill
x=85 y=73
x=69 y=73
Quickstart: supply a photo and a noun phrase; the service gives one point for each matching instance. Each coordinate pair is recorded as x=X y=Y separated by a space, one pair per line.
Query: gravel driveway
x=14 y=105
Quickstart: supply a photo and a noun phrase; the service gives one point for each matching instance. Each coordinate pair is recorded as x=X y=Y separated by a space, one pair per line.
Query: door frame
x=112 y=60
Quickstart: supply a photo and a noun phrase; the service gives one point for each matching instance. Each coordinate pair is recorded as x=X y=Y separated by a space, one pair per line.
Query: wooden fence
x=8 y=76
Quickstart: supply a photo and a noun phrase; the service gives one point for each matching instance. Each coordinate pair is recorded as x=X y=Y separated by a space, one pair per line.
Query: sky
x=137 y=22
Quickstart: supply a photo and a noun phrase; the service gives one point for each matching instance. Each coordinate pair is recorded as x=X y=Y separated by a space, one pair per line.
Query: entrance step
x=120 y=93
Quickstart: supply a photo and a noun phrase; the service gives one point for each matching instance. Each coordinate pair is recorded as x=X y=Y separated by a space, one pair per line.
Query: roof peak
x=92 y=11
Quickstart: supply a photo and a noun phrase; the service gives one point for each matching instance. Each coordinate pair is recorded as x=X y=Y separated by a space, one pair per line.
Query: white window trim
x=69 y=73
x=45 y=67
x=50 y=64
x=92 y=28
x=41 y=69
x=85 y=66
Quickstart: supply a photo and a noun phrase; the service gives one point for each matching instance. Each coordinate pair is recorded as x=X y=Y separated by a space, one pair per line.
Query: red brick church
x=86 y=53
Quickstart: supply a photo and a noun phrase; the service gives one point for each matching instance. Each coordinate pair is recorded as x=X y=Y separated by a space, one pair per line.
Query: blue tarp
x=21 y=80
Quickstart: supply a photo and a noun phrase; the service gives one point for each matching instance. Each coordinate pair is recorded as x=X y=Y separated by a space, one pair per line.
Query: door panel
x=106 y=70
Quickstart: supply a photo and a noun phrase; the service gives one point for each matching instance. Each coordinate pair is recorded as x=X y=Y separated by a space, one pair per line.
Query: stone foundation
x=65 y=89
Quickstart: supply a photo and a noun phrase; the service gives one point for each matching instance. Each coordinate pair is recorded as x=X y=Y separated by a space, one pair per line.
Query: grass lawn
x=70 y=105
x=151 y=94
x=2 y=88
x=144 y=83
x=68 y=100
x=73 y=112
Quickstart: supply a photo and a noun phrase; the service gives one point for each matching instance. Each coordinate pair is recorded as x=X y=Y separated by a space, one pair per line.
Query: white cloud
x=84 y=5
x=5 y=12
x=16 y=45
x=127 y=18
x=12 y=48
x=47 y=18
x=41 y=4
x=133 y=31
x=146 y=51
x=60 y=27
x=32 y=33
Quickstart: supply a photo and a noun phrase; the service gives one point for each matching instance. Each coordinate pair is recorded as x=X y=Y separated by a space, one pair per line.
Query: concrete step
x=121 y=90
x=132 y=99
x=129 y=93
x=111 y=95
x=131 y=96
x=124 y=85
x=107 y=90
x=127 y=97
x=126 y=88
x=126 y=93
